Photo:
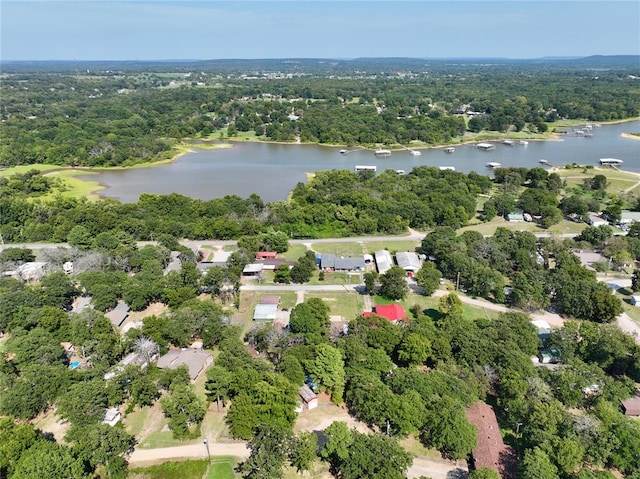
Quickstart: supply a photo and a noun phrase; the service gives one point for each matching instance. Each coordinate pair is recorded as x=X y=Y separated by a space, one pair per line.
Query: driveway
x=191 y=451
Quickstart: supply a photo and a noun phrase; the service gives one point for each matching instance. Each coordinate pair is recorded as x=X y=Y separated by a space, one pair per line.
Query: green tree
x=448 y=430
x=269 y=448
x=184 y=410
x=303 y=451
x=428 y=277
x=484 y=473
x=375 y=456
x=283 y=274
x=537 y=465
x=80 y=237
x=102 y=444
x=370 y=279
x=310 y=318
x=393 y=283
x=414 y=349
x=242 y=416
x=327 y=370
x=14 y=440
x=47 y=459
x=84 y=403
x=217 y=385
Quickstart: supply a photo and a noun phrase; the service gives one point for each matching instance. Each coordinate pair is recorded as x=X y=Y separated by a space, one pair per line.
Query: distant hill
x=320 y=66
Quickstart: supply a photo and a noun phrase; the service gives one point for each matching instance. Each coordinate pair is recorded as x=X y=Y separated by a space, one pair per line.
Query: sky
x=203 y=29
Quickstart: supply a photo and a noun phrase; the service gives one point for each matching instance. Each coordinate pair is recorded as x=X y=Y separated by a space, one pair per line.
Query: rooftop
x=265 y=312
x=195 y=360
x=408 y=261
x=392 y=312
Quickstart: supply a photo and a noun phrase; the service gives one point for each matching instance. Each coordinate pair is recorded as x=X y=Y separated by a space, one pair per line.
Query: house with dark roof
x=392 y=312
x=491 y=450
x=331 y=262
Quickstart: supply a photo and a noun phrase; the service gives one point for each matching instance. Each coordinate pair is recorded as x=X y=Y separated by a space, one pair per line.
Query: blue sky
x=155 y=30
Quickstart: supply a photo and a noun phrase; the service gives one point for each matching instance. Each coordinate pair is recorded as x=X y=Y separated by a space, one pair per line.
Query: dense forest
x=128 y=116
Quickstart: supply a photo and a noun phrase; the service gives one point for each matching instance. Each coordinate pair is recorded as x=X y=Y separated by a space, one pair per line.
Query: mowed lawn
x=221 y=468
x=193 y=469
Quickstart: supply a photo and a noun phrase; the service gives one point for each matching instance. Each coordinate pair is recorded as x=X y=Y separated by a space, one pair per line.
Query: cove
x=272 y=170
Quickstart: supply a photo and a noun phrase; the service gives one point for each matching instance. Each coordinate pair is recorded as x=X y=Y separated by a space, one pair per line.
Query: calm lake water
x=272 y=171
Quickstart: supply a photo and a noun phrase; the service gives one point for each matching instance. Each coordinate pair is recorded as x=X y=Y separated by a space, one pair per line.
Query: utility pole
x=206 y=443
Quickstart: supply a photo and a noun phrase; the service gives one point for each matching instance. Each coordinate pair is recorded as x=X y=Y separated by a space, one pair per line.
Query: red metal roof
x=392 y=312
x=266 y=255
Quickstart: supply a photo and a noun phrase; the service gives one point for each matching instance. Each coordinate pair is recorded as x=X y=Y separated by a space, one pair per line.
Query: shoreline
x=630 y=136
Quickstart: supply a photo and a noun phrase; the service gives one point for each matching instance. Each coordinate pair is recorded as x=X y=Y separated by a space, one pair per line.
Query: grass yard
x=489 y=228
x=134 y=421
x=339 y=248
x=392 y=246
x=295 y=251
x=619 y=181
x=221 y=468
x=348 y=305
x=192 y=469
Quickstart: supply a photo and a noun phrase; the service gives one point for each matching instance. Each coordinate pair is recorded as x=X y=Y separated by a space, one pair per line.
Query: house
x=265 y=312
x=544 y=329
x=205 y=266
x=308 y=397
x=491 y=451
x=253 y=269
x=635 y=300
x=631 y=406
x=409 y=261
x=119 y=314
x=175 y=264
x=272 y=264
x=266 y=255
x=331 y=262
x=195 y=359
x=131 y=359
x=596 y=220
x=383 y=261
x=629 y=217
x=112 y=416
x=392 y=312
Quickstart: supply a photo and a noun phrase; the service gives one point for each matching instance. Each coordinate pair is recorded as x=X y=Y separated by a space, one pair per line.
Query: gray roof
x=252 y=268
x=383 y=260
x=408 y=261
x=629 y=216
x=175 y=264
x=265 y=312
x=341 y=263
x=118 y=314
x=307 y=394
x=195 y=360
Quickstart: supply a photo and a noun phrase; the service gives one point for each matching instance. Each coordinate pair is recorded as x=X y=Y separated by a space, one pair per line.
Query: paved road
x=191 y=451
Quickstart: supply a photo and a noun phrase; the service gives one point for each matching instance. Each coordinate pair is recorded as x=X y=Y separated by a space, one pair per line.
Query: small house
x=383 y=261
x=265 y=312
x=112 y=416
x=331 y=262
x=119 y=314
x=266 y=255
x=597 y=220
x=253 y=269
x=409 y=261
x=308 y=397
x=631 y=406
x=391 y=312
x=549 y=356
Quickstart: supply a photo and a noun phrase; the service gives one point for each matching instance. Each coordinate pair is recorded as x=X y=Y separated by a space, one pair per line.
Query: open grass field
x=489 y=228
x=221 y=468
x=619 y=181
x=295 y=251
x=339 y=248
x=347 y=304
x=192 y=469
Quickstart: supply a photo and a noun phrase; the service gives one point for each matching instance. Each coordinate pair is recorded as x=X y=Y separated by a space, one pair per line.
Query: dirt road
x=141 y=456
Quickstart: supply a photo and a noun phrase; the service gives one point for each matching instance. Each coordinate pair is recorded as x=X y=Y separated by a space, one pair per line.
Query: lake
x=272 y=170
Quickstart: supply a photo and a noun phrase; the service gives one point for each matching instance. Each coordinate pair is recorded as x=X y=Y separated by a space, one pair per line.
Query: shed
x=549 y=356
x=631 y=406
x=195 y=359
x=544 y=329
x=392 y=312
x=119 y=314
x=409 y=261
x=265 y=312
x=635 y=300
x=383 y=261
x=270 y=300
x=308 y=397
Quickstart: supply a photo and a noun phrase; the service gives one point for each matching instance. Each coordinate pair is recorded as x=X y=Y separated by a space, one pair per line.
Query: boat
x=543 y=162
x=485 y=146
x=365 y=168
x=493 y=164
x=401 y=172
x=344 y=152
x=523 y=142
x=509 y=142
x=449 y=149
x=415 y=152
x=611 y=161
x=447 y=168
x=383 y=153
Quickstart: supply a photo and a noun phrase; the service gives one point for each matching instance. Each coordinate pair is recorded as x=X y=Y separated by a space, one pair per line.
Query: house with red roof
x=392 y=312
x=266 y=255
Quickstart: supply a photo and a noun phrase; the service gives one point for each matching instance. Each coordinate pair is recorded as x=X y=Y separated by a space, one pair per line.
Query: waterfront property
x=485 y=146
x=611 y=162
